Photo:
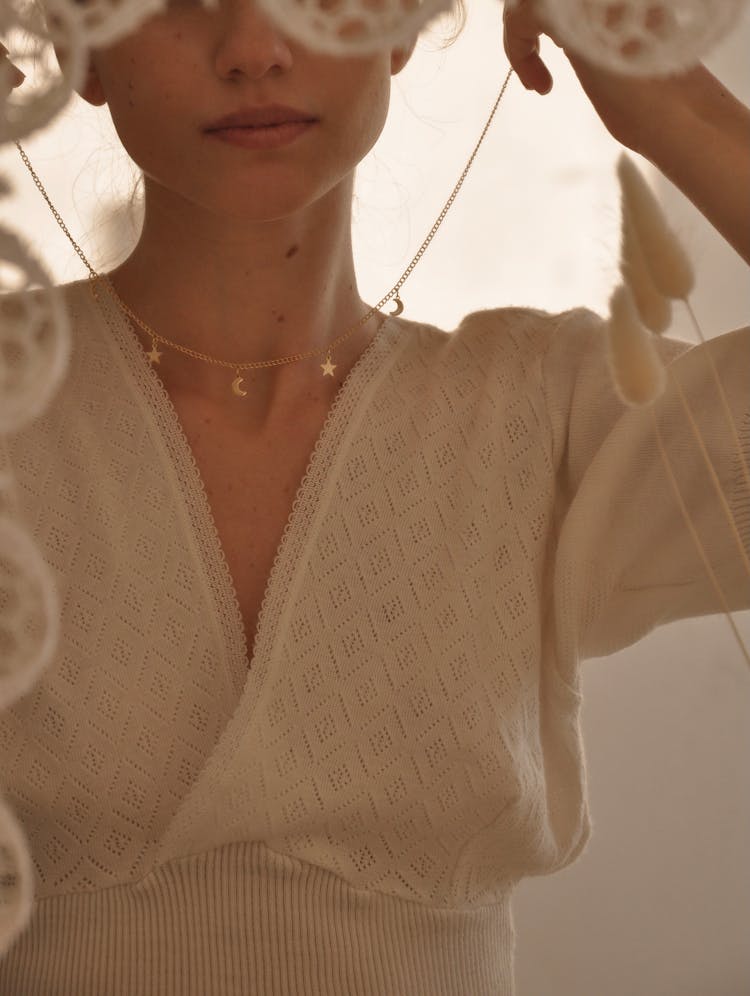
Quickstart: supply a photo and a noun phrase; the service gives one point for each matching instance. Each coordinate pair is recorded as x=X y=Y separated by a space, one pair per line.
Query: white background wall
x=659 y=904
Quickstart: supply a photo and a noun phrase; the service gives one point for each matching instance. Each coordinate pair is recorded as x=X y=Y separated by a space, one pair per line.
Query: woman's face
x=188 y=66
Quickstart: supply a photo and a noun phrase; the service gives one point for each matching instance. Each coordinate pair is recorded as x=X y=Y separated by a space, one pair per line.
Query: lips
x=261 y=117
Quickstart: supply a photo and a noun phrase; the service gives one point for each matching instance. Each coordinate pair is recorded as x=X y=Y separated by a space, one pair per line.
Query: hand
x=522 y=29
x=632 y=108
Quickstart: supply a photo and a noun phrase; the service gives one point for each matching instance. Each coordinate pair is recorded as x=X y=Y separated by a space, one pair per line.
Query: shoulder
x=527 y=331
x=501 y=340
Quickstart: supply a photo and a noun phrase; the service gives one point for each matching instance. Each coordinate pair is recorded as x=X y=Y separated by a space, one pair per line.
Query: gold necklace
x=329 y=366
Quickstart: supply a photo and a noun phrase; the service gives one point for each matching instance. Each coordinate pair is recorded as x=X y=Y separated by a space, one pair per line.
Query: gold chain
x=258 y=364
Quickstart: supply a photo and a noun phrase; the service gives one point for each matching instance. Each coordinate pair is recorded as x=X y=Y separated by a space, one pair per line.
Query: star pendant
x=154 y=356
x=328 y=367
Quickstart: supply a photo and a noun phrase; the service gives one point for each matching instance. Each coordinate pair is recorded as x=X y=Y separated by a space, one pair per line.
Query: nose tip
x=250 y=42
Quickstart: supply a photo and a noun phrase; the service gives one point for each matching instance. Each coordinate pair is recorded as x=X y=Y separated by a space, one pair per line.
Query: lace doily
x=75 y=28
x=634 y=37
x=639 y=37
x=35 y=348
x=16 y=878
x=353 y=27
x=34 y=339
x=29 y=612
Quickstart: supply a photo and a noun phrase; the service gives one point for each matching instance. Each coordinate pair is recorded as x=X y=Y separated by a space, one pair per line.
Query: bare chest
x=251 y=486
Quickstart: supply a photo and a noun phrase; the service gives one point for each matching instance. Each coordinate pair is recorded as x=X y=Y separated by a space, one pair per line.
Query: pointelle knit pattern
x=345 y=809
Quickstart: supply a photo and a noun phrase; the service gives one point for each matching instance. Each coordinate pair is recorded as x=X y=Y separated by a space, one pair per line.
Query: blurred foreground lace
x=637 y=37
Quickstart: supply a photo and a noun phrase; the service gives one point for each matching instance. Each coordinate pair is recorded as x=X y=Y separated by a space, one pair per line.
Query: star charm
x=154 y=356
x=328 y=367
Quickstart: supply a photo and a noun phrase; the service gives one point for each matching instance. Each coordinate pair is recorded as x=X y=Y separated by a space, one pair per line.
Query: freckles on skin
x=137 y=78
x=292 y=251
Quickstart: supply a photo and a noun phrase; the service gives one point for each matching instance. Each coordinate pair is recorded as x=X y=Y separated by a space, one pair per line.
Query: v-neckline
x=245 y=667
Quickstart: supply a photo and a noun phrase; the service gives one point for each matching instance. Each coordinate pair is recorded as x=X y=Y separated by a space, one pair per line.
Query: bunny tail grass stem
x=722 y=395
x=712 y=472
x=670 y=266
x=696 y=539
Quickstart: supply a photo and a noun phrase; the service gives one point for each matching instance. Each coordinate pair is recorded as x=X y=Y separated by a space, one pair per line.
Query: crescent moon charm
x=237 y=387
x=399 y=307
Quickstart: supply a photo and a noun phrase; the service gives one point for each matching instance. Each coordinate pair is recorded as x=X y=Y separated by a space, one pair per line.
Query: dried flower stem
x=636 y=367
x=653 y=263
x=697 y=540
x=711 y=471
x=654 y=309
x=669 y=265
x=723 y=396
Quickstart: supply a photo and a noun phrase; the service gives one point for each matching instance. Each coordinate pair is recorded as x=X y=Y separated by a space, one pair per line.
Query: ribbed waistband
x=242 y=920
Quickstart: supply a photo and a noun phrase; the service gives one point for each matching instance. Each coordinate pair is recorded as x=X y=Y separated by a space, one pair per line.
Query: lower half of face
x=164 y=91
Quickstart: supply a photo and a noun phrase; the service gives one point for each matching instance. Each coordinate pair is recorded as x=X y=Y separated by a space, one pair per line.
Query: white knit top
x=349 y=814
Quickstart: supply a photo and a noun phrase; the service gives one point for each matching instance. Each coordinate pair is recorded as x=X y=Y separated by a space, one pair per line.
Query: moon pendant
x=399 y=307
x=237 y=387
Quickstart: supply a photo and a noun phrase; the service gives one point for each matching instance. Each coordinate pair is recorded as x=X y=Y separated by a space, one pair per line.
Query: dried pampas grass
x=636 y=367
x=655 y=309
x=655 y=269
x=671 y=270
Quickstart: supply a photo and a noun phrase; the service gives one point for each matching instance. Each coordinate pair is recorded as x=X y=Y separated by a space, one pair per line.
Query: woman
x=420 y=538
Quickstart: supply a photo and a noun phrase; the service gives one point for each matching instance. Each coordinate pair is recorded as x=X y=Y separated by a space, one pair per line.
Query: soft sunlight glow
x=535 y=223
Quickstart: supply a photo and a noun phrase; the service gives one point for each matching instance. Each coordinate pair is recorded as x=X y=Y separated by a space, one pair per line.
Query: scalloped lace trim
x=210 y=552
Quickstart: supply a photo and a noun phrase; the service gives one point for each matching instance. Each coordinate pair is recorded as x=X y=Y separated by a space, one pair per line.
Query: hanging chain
x=259 y=364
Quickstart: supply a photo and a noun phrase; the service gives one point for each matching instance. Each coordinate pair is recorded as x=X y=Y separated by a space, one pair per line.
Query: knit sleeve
x=625 y=559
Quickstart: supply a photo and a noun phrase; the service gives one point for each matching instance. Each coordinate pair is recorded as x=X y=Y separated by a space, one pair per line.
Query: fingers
x=521 y=34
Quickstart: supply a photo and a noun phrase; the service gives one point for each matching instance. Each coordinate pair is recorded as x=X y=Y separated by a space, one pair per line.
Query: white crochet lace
x=34 y=343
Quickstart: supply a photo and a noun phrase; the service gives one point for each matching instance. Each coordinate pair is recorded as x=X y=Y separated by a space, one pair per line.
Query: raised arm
x=689 y=126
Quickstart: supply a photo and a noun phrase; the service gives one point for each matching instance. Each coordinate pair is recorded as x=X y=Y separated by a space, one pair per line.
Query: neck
x=244 y=292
